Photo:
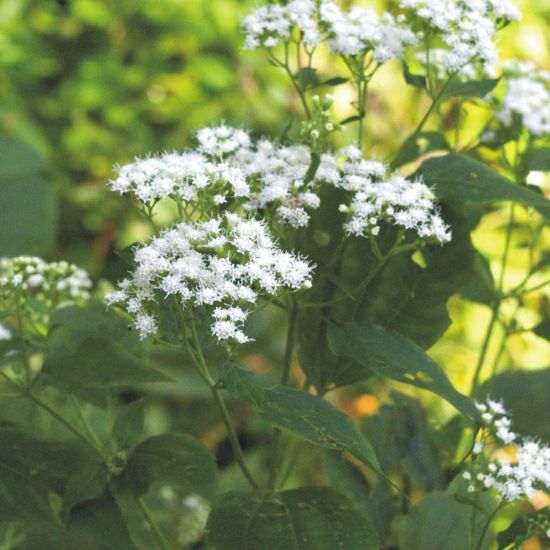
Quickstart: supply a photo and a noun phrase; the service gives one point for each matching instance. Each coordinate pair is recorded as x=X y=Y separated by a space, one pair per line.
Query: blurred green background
x=93 y=83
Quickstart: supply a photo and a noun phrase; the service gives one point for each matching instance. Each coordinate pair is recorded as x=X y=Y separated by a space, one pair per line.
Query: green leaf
x=31 y=469
x=480 y=286
x=400 y=437
x=88 y=483
x=439 y=522
x=394 y=356
x=92 y=347
x=543 y=329
x=350 y=119
x=347 y=478
x=27 y=202
x=418 y=145
x=178 y=459
x=309 y=518
x=335 y=81
x=467 y=180
x=307 y=416
x=128 y=426
x=539 y=159
x=18 y=158
x=308 y=78
x=474 y=88
x=99 y=522
x=525 y=395
x=416 y=80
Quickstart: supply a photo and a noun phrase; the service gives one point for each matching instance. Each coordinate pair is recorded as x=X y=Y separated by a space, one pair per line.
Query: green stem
x=91 y=434
x=485 y=347
x=287 y=363
x=200 y=362
x=154 y=527
x=487 y=524
x=63 y=421
x=434 y=104
x=496 y=304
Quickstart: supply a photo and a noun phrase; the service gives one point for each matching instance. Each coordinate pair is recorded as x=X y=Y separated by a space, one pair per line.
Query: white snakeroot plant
x=520 y=471
x=467 y=27
x=220 y=265
x=527 y=98
x=53 y=282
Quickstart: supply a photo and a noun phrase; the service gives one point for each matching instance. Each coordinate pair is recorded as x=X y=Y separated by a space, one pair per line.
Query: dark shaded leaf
x=100 y=524
x=416 y=80
x=439 y=522
x=467 y=180
x=178 y=459
x=128 y=426
x=30 y=470
x=394 y=356
x=418 y=145
x=538 y=159
x=92 y=347
x=306 y=416
x=400 y=437
x=474 y=88
x=309 y=518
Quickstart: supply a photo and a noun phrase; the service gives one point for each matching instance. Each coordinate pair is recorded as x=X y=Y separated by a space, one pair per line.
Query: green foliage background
x=93 y=83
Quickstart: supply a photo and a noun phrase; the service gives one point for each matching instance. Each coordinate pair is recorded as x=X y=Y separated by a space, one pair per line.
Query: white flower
x=54 y=281
x=467 y=28
x=528 y=98
x=183 y=264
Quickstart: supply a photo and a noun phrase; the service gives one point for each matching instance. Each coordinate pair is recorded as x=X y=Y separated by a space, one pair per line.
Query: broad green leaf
x=391 y=355
x=100 y=524
x=467 y=180
x=31 y=469
x=308 y=78
x=525 y=395
x=307 y=416
x=524 y=528
x=309 y=518
x=439 y=522
x=473 y=88
x=27 y=202
x=539 y=159
x=18 y=158
x=416 y=80
x=128 y=426
x=89 y=482
x=419 y=144
x=480 y=286
x=401 y=440
x=175 y=458
x=346 y=477
x=92 y=347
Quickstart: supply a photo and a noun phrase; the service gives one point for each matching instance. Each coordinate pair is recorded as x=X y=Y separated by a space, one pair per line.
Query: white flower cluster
x=379 y=197
x=268 y=25
x=361 y=30
x=527 y=97
x=186 y=175
x=276 y=174
x=467 y=27
x=223 y=263
x=56 y=281
x=521 y=477
x=347 y=33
